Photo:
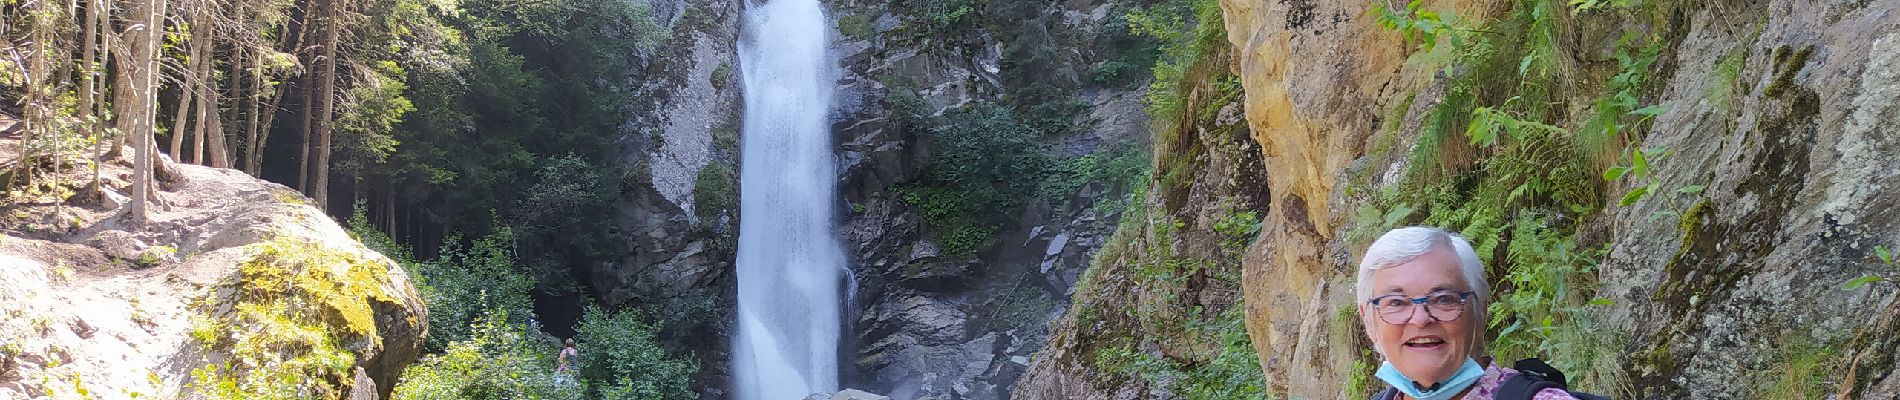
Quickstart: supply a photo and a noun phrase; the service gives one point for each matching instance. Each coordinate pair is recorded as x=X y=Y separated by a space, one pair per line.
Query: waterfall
x=789 y=258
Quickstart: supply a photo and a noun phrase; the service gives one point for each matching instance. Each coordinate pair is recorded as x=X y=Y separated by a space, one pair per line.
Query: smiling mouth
x=1425 y=343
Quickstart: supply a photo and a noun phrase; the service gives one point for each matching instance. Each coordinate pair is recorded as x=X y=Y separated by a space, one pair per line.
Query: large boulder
x=233 y=280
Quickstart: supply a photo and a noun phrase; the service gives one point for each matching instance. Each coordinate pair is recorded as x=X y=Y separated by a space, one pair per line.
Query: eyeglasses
x=1441 y=306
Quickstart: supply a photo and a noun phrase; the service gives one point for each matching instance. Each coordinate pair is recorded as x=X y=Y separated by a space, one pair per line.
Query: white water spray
x=789 y=258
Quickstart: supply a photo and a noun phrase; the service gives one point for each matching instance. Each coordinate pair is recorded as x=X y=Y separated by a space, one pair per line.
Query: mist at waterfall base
x=789 y=262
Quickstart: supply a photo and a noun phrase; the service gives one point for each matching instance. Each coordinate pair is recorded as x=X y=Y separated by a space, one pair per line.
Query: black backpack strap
x=1388 y=394
x=1533 y=376
x=1540 y=370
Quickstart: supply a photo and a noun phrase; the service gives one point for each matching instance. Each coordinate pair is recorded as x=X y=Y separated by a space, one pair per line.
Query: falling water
x=789 y=259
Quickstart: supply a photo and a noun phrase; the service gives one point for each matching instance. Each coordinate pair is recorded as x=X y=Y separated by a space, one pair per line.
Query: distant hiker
x=1422 y=299
x=565 y=364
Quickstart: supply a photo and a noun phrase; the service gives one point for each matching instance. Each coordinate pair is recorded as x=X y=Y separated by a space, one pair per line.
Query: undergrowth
x=1501 y=161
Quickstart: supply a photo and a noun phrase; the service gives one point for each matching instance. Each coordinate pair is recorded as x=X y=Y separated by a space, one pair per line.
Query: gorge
x=936 y=199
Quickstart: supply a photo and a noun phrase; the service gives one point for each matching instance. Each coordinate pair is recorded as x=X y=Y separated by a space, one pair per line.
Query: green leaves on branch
x=1591 y=5
x=1646 y=183
x=1487 y=123
x=980 y=170
x=1886 y=258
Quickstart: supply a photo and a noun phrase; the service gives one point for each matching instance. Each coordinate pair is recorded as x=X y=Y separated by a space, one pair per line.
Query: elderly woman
x=1422 y=299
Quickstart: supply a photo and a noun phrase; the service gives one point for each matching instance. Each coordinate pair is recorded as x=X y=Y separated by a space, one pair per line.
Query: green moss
x=722 y=76
x=288 y=197
x=716 y=190
x=1787 y=63
x=857 y=26
x=154 y=255
x=726 y=136
x=1725 y=80
x=297 y=306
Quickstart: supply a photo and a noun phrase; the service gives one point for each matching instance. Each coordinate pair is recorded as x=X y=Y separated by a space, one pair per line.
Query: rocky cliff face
x=235 y=281
x=1778 y=186
x=931 y=325
x=1158 y=314
x=926 y=325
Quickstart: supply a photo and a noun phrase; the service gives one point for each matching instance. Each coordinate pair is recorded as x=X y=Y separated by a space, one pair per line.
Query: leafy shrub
x=1121 y=169
x=978 y=175
x=716 y=190
x=1184 y=29
x=620 y=356
x=498 y=361
x=1128 y=58
x=467 y=282
x=857 y=26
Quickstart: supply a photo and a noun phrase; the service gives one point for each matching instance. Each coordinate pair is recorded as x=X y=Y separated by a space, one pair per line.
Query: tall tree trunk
x=326 y=107
x=88 y=77
x=137 y=99
x=252 y=106
x=219 y=143
x=107 y=38
x=260 y=130
x=99 y=28
x=200 y=77
x=182 y=115
x=214 y=140
x=303 y=152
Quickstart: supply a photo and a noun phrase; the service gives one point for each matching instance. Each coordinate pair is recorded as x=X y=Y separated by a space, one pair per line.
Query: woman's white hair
x=1400 y=246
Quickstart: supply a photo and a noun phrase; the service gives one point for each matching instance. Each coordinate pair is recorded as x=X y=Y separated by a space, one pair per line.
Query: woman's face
x=1426 y=350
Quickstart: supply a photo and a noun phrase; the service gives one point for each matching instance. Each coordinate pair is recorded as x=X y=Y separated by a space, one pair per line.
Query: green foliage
x=1644 y=182
x=1548 y=312
x=1128 y=57
x=1237 y=230
x=685 y=315
x=499 y=360
x=716 y=191
x=363 y=231
x=1808 y=374
x=1886 y=259
x=1418 y=25
x=940 y=18
x=973 y=179
x=371 y=110
x=1118 y=169
x=516 y=106
x=152 y=256
x=721 y=76
x=557 y=223
x=1619 y=109
x=1185 y=29
x=468 y=281
x=1231 y=370
x=1523 y=174
x=1721 y=88
x=857 y=26
x=620 y=356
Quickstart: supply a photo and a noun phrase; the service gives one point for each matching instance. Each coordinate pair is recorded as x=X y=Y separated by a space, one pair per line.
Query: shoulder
x=1553 y=394
x=1505 y=373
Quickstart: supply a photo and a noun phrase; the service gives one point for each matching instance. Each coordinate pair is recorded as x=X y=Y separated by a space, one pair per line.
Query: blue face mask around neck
x=1466 y=375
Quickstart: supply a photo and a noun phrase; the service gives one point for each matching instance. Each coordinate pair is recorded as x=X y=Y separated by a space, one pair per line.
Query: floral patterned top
x=1494 y=376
